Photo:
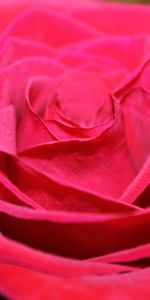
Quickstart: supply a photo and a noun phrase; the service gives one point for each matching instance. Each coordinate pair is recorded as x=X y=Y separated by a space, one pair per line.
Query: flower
x=74 y=150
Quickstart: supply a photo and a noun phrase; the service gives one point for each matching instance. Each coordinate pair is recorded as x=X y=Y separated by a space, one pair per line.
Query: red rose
x=74 y=151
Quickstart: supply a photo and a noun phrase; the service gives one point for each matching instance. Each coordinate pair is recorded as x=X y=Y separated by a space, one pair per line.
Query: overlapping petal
x=74 y=151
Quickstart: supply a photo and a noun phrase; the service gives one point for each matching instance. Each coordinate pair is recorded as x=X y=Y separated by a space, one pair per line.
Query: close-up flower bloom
x=74 y=150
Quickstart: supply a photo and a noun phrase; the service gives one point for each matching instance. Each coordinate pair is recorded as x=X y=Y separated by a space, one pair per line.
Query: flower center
x=79 y=97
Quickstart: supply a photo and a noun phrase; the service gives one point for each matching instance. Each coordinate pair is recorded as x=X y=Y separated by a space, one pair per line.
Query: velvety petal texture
x=74 y=150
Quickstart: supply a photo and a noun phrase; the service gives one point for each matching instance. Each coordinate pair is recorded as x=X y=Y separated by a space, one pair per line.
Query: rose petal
x=15 y=49
x=39 y=191
x=41 y=25
x=18 y=254
x=136 y=110
x=129 y=286
x=138 y=185
x=19 y=73
x=8 y=130
x=93 y=165
x=99 y=17
x=65 y=234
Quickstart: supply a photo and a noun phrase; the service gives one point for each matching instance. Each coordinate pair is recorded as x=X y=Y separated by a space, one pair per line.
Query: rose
x=74 y=151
